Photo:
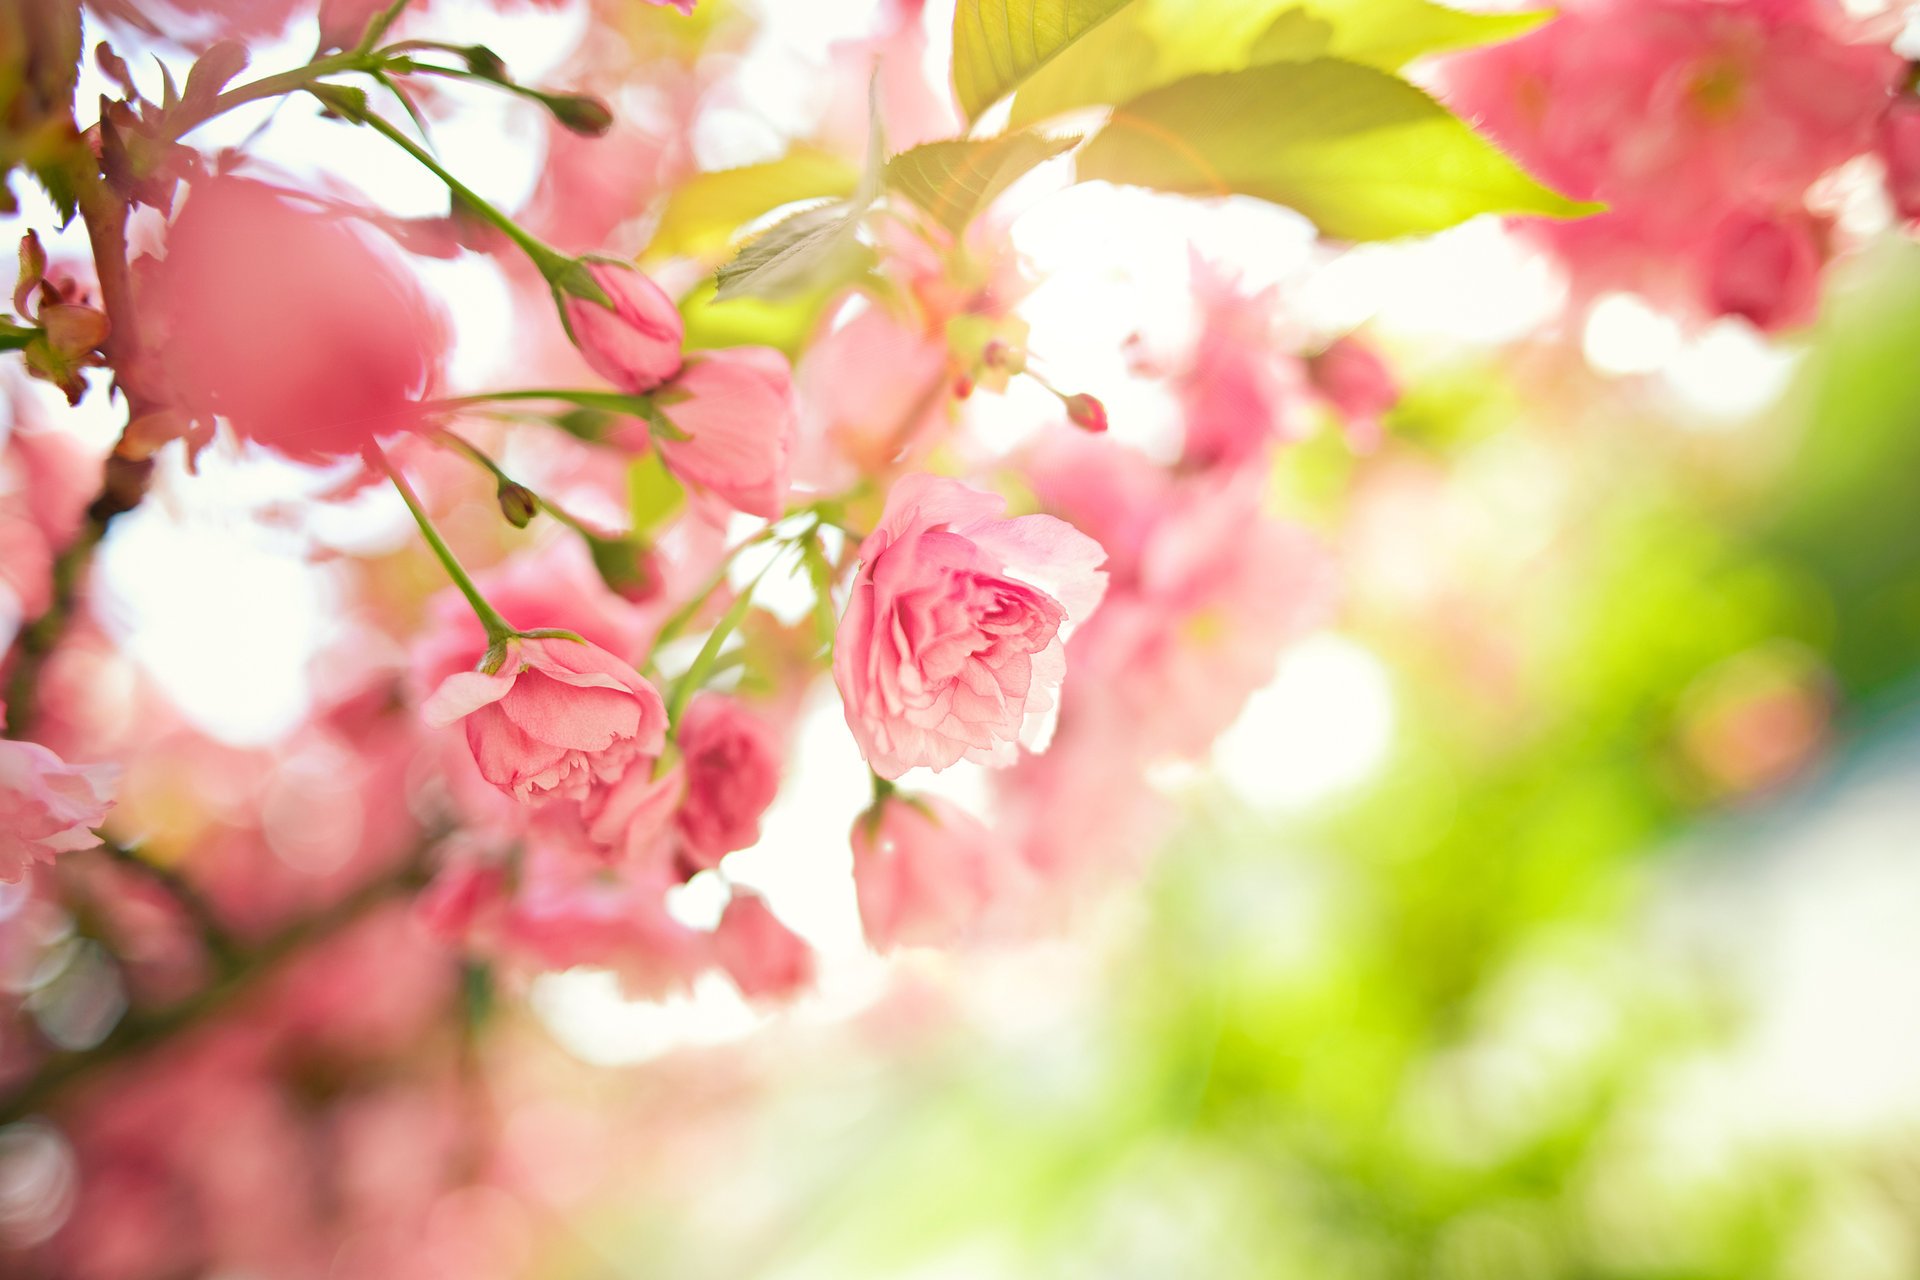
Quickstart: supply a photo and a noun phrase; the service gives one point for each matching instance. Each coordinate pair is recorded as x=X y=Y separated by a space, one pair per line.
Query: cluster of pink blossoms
x=1705 y=126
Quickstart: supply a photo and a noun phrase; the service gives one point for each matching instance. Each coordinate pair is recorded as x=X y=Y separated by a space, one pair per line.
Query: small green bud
x=584 y=115
x=517 y=503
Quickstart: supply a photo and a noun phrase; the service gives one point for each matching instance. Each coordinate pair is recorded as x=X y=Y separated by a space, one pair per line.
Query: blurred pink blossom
x=925 y=872
x=732 y=761
x=735 y=406
x=47 y=806
x=765 y=959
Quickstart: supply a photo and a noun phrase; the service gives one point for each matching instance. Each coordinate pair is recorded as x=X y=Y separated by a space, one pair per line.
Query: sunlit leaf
x=1155 y=42
x=796 y=255
x=999 y=43
x=702 y=215
x=1363 y=154
x=954 y=180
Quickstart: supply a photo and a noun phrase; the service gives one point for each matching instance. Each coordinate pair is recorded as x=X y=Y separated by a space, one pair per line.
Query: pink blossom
x=1206 y=591
x=952 y=643
x=1763 y=269
x=732 y=761
x=736 y=409
x=765 y=959
x=296 y=328
x=560 y=719
x=47 y=806
x=1676 y=113
x=635 y=343
x=872 y=389
x=1900 y=153
x=1240 y=391
x=566 y=912
x=925 y=872
x=1351 y=377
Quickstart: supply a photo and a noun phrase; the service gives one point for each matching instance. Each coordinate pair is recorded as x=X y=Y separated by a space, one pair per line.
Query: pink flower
x=732 y=761
x=951 y=647
x=1676 y=113
x=765 y=959
x=924 y=872
x=1900 y=152
x=635 y=343
x=560 y=719
x=295 y=327
x=736 y=409
x=1240 y=390
x=1764 y=269
x=684 y=6
x=47 y=806
x=1351 y=377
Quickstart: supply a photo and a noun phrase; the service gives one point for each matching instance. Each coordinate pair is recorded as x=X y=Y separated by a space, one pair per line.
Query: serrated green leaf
x=820 y=574
x=703 y=213
x=57 y=181
x=815 y=248
x=1155 y=42
x=955 y=180
x=796 y=255
x=999 y=43
x=1362 y=153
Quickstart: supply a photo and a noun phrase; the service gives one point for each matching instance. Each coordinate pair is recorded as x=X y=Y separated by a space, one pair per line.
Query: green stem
x=181 y=122
x=220 y=944
x=378 y=27
x=481 y=456
x=612 y=401
x=549 y=260
x=499 y=630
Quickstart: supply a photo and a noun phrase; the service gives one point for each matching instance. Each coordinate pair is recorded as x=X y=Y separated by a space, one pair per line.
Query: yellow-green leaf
x=999 y=43
x=956 y=179
x=1155 y=42
x=702 y=215
x=1362 y=153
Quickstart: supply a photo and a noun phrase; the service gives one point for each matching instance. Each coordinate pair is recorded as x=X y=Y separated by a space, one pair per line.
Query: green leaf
x=703 y=213
x=1362 y=153
x=702 y=669
x=796 y=255
x=1156 y=42
x=653 y=495
x=999 y=43
x=957 y=179
x=820 y=573
x=814 y=248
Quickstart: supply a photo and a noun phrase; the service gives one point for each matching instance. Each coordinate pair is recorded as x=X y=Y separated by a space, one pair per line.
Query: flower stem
x=549 y=260
x=612 y=401
x=499 y=630
x=481 y=456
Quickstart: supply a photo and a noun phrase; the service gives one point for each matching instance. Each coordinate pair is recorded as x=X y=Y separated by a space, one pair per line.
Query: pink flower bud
x=736 y=409
x=1086 y=413
x=924 y=872
x=1763 y=269
x=1900 y=152
x=732 y=761
x=765 y=959
x=950 y=647
x=635 y=343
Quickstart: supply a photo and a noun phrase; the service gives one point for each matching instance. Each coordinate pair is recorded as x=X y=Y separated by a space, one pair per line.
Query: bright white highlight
x=1324 y=725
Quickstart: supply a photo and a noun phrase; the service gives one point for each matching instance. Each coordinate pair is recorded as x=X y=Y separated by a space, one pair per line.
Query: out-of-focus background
x=1553 y=913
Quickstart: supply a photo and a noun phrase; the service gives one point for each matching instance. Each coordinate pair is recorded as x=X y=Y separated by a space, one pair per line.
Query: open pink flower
x=635 y=343
x=765 y=959
x=560 y=719
x=297 y=328
x=732 y=760
x=1900 y=153
x=47 y=806
x=736 y=409
x=925 y=872
x=952 y=643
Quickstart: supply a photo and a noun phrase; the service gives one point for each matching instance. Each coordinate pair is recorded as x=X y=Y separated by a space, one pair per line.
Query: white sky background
x=197 y=560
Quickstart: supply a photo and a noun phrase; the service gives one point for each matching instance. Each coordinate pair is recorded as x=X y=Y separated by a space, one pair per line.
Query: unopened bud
x=579 y=113
x=1086 y=412
x=517 y=503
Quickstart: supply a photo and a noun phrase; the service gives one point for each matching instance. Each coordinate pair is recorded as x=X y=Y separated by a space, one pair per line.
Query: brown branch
x=137 y=1034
